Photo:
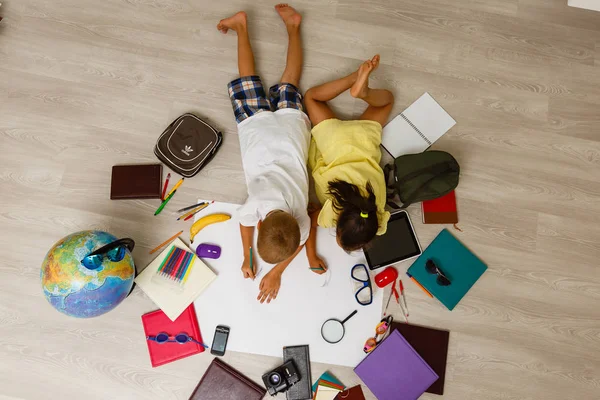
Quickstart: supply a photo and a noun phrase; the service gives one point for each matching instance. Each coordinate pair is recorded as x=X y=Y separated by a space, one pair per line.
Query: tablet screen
x=399 y=243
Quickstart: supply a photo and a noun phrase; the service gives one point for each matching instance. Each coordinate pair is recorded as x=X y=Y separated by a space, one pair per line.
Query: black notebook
x=300 y=355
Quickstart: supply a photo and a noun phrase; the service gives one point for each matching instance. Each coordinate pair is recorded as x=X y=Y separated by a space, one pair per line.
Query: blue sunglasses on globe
x=114 y=251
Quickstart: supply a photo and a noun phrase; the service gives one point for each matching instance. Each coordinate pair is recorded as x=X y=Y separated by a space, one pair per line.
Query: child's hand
x=246 y=270
x=317 y=265
x=269 y=286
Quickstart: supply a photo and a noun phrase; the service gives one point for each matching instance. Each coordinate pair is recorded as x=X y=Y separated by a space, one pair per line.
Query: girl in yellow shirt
x=344 y=158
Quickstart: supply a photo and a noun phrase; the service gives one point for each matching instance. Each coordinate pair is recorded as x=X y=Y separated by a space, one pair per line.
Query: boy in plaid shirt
x=274 y=135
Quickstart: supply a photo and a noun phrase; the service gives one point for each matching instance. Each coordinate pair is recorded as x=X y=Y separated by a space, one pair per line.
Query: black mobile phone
x=220 y=340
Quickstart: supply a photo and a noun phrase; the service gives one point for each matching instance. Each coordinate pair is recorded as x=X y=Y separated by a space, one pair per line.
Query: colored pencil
x=318 y=269
x=192 y=212
x=195 y=212
x=421 y=286
x=169 y=240
x=176 y=187
x=192 y=206
x=162 y=196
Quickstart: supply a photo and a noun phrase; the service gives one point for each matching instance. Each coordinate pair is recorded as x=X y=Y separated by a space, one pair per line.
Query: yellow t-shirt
x=348 y=151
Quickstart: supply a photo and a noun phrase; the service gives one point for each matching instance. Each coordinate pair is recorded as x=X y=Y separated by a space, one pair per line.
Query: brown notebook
x=136 y=182
x=222 y=382
x=354 y=393
x=432 y=345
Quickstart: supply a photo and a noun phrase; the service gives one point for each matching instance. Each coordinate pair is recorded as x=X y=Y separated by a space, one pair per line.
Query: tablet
x=399 y=243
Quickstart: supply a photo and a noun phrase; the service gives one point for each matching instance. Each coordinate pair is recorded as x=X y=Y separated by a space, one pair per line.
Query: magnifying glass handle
x=349 y=316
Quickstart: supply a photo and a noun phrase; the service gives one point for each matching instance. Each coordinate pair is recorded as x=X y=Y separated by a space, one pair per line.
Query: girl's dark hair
x=357 y=222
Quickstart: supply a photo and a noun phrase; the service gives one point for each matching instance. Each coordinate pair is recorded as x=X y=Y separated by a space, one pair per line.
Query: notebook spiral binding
x=416 y=129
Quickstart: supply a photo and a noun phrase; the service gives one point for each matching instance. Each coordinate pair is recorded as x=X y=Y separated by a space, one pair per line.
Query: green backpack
x=423 y=176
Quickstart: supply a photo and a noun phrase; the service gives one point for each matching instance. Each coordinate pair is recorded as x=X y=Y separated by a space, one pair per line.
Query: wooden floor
x=88 y=84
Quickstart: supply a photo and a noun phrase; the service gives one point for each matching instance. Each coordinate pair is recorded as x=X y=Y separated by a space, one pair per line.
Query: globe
x=77 y=291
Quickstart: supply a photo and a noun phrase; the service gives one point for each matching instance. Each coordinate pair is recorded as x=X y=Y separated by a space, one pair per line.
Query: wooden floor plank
x=86 y=85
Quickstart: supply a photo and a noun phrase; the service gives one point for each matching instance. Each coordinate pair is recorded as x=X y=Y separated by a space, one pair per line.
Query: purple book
x=395 y=371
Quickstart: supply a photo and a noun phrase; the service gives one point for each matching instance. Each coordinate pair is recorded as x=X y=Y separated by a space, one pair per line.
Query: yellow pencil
x=175 y=187
x=169 y=240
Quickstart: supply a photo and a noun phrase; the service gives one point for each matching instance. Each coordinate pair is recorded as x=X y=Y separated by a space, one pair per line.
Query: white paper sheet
x=427 y=116
x=300 y=309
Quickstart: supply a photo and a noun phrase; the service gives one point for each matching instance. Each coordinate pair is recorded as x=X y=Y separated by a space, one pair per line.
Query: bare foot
x=289 y=15
x=234 y=22
x=360 y=89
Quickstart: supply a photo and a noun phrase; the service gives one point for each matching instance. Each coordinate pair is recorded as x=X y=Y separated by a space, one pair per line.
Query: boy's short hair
x=278 y=237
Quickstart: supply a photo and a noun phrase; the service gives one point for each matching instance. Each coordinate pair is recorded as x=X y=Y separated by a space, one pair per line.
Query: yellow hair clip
x=364 y=214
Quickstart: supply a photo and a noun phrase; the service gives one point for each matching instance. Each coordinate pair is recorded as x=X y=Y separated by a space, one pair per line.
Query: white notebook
x=326 y=393
x=172 y=302
x=417 y=128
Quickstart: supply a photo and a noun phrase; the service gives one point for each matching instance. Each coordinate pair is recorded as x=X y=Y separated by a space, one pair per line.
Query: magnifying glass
x=333 y=329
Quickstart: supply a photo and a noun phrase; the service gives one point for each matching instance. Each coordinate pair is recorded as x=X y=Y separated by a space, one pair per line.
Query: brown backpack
x=187 y=145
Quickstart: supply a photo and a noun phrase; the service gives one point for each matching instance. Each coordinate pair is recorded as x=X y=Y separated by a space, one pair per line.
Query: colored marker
x=162 y=196
x=403 y=297
x=251 y=266
x=175 y=187
x=164 y=203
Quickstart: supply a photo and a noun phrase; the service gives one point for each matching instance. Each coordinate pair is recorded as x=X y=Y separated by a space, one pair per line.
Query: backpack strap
x=389 y=175
x=393 y=205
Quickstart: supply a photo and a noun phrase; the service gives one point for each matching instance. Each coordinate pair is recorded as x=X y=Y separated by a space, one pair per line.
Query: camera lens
x=275 y=378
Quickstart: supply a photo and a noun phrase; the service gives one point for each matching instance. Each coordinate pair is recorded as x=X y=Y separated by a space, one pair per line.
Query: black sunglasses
x=432 y=268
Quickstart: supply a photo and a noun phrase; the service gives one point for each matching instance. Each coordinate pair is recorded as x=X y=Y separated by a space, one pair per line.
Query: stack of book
x=173 y=281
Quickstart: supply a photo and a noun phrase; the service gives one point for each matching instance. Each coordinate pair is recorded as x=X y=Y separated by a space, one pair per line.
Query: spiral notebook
x=416 y=128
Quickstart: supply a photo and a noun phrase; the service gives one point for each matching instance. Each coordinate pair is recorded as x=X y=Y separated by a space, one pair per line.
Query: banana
x=205 y=221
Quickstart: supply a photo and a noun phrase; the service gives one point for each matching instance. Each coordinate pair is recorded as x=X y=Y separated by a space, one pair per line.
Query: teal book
x=455 y=261
x=326 y=376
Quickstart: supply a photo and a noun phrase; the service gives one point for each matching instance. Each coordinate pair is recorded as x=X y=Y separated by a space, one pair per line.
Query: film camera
x=281 y=378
